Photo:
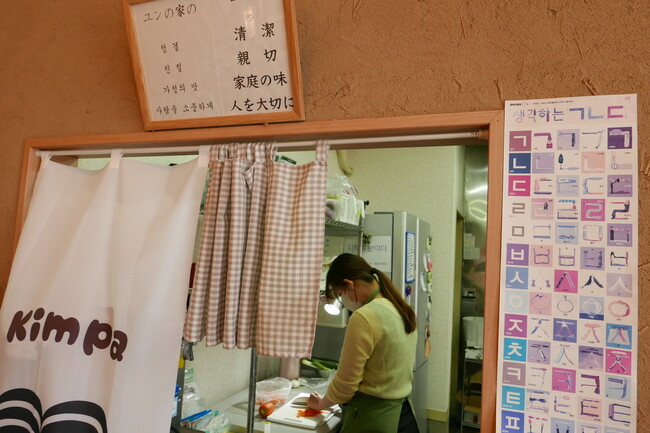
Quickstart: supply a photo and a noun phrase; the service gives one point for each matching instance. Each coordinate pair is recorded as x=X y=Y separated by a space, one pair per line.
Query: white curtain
x=258 y=272
x=91 y=324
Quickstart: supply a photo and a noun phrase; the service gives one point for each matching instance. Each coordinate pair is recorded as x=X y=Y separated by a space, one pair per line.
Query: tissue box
x=348 y=209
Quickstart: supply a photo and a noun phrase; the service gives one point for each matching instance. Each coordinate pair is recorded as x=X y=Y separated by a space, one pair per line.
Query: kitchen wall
x=427 y=182
x=66 y=70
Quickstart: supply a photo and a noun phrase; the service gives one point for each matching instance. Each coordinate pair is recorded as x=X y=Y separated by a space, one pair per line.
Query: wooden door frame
x=490 y=123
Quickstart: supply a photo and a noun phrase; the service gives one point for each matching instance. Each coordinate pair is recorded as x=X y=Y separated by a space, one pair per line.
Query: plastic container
x=473 y=331
x=277 y=388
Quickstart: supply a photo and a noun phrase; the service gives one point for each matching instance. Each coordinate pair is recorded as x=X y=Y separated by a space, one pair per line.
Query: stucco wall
x=65 y=70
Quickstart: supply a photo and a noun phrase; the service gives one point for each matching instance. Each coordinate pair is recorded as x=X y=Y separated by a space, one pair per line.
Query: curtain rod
x=282 y=146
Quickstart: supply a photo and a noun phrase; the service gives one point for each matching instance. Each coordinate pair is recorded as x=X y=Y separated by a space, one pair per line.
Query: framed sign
x=200 y=63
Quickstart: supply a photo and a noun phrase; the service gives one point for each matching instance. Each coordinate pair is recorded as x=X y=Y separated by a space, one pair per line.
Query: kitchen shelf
x=471 y=393
x=338 y=228
x=333 y=247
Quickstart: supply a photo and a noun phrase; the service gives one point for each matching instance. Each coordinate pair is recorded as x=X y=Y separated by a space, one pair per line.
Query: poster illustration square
x=619 y=137
x=519 y=163
x=520 y=141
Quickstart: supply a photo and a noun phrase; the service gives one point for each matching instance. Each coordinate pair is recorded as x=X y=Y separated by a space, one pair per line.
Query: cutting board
x=288 y=413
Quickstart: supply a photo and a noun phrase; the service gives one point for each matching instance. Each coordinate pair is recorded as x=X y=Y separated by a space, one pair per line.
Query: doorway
x=490 y=125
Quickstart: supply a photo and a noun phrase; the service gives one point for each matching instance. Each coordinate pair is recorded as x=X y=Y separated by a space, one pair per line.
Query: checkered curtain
x=258 y=271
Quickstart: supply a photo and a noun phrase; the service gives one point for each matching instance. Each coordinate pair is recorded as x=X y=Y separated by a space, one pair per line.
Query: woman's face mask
x=349 y=303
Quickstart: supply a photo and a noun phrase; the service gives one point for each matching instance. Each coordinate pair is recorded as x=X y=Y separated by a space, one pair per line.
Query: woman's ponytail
x=403 y=308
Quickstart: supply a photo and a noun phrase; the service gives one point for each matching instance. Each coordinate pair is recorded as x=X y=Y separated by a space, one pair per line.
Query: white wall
x=221 y=373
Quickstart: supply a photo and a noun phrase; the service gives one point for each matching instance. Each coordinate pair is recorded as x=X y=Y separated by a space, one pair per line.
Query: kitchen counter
x=235 y=408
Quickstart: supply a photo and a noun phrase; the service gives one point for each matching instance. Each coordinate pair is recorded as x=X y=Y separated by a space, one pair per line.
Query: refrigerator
x=400 y=246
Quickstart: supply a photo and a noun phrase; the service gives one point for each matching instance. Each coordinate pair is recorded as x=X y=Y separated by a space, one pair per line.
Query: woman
x=376 y=366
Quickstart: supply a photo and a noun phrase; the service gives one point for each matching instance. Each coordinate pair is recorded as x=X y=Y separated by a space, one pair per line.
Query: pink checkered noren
x=258 y=271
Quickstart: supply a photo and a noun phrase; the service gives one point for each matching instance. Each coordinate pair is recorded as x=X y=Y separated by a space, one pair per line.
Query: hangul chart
x=569 y=267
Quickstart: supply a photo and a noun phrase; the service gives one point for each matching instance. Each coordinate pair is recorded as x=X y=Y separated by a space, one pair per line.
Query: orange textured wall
x=65 y=70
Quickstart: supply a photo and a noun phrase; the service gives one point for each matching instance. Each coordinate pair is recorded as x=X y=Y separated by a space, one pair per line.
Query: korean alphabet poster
x=569 y=267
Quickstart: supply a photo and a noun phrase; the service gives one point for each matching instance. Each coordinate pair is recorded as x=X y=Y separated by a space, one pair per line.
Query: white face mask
x=349 y=303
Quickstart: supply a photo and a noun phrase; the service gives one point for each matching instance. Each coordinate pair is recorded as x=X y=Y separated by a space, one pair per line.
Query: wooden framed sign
x=201 y=63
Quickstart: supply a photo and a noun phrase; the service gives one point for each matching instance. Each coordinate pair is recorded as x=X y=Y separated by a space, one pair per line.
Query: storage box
x=472 y=415
x=472 y=410
x=344 y=208
x=473 y=331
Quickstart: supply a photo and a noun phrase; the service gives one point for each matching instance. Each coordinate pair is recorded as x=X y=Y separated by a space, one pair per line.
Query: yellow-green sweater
x=377 y=356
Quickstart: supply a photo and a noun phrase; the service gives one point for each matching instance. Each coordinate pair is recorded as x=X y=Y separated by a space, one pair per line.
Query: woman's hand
x=314 y=401
x=318 y=402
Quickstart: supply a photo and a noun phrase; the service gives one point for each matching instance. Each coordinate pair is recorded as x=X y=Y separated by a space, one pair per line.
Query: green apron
x=367 y=414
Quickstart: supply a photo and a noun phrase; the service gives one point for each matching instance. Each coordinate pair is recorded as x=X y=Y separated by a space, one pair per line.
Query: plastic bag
x=337 y=185
x=218 y=423
x=276 y=389
x=341 y=203
x=208 y=421
x=192 y=401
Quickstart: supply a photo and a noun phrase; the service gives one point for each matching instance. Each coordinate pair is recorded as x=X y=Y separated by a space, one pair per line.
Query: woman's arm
x=358 y=345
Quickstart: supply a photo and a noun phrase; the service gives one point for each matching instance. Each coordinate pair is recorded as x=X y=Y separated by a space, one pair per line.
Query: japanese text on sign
x=243 y=68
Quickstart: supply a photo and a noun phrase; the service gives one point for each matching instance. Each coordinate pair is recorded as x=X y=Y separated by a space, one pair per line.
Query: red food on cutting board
x=308 y=413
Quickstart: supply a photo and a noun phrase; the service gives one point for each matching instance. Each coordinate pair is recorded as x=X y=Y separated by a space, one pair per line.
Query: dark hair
x=352 y=267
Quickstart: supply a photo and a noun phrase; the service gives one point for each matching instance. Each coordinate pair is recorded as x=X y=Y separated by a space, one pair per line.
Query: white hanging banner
x=91 y=324
x=569 y=268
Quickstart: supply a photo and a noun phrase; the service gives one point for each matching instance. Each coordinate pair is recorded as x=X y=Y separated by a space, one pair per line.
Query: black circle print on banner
x=21 y=412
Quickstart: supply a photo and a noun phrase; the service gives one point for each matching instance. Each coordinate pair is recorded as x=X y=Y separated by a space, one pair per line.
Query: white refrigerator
x=400 y=246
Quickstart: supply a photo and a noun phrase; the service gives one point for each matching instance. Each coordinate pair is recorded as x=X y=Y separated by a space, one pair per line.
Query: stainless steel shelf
x=338 y=228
